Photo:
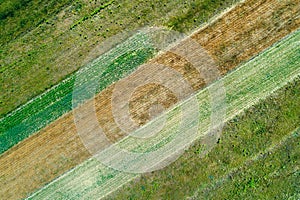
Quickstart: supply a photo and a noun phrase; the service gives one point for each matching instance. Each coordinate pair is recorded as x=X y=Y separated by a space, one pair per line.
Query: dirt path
x=237 y=36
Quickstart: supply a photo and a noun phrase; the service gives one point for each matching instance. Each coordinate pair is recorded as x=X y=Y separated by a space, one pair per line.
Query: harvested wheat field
x=232 y=39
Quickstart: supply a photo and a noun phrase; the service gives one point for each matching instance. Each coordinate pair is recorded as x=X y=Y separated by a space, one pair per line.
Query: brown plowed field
x=239 y=35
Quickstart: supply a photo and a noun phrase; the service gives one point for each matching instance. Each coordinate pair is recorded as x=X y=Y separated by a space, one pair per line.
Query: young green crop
x=49 y=106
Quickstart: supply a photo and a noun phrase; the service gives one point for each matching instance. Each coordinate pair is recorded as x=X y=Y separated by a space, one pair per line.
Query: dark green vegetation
x=272 y=175
x=95 y=12
x=20 y=16
x=57 y=101
x=197 y=13
x=38 y=48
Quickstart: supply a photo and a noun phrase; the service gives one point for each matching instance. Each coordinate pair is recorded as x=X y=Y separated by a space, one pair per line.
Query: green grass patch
x=95 y=12
x=274 y=175
x=20 y=16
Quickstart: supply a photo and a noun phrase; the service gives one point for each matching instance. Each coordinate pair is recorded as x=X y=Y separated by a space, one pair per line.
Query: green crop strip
x=46 y=108
x=244 y=136
x=36 y=41
x=95 y=12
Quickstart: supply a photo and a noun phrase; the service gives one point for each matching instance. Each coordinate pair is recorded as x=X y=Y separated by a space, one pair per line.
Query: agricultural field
x=39 y=49
x=42 y=110
x=256 y=80
x=25 y=121
x=255 y=48
x=57 y=101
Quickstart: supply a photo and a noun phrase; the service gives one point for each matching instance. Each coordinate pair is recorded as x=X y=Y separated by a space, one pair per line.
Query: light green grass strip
x=245 y=86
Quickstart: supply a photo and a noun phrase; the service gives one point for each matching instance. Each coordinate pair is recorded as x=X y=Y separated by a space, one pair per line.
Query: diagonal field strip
x=244 y=87
x=57 y=148
x=228 y=176
x=49 y=106
x=60 y=49
x=247 y=134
